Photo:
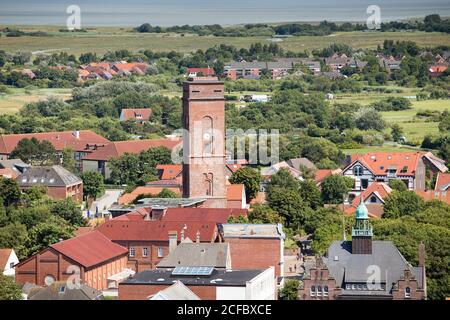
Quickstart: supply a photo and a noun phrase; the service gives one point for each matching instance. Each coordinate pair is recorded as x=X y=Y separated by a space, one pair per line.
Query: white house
x=8 y=259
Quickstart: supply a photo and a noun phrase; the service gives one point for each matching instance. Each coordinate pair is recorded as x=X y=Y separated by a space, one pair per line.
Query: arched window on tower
x=208 y=183
x=207 y=135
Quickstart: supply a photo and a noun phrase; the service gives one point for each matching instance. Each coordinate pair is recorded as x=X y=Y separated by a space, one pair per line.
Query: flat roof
x=216 y=278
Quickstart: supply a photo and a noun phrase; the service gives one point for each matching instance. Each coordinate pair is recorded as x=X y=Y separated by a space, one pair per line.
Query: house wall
x=257 y=253
x=408 y=281
x=142 y=292
x=140 y=263
x=231 y=293
x=319 y=277
x=60 y=193
x=95 y=165
x=8 y=271
x=262 y=287
x=50 y=262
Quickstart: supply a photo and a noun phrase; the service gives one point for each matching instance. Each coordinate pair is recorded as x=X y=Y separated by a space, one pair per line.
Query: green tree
x=398 y=185
x=166 y=193
x=93 y=185
x=289 y=290
x=402 y=203
x=47 y=233
x=283 y=179
x=69 y=210
x=289 y=204
x=310 y=193
x=68 y=161
x=9 y=191
x=250 y=178
x=397 y=132
x=369 y=118
x=262 y=213
x=334 y=188
x=9 y=290
x=35 y=153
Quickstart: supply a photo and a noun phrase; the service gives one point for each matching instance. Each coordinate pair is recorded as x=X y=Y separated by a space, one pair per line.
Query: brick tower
x=204 y=141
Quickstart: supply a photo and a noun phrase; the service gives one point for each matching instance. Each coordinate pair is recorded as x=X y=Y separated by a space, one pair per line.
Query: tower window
x=407 y=292
x=312 y=291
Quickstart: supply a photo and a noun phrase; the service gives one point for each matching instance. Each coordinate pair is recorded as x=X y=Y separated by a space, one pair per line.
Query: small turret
x=362 y=230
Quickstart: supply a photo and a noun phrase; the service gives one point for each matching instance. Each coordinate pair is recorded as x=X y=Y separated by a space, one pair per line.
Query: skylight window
x=192 y=271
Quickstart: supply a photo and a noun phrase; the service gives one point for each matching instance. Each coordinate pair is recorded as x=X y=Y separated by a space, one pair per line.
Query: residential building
x=236 y=197
x=169 y=171
x=429 y=195
x=442 y=182
x=200 y=72
x=139 y=115
x=58 y=182
x=337 y=61
x=254 y=70
x=409 y=167
x=80 y=142
x=205 y=282
x=322 y=174
x=437 y=70
x=15 y=165
x=148 y=232
x=374 y=198
x=389 y=63
x=60 y=290
x=91 y=256
x=8 y=260
x=204 y=146
x=255 y=246
x=364 y=269
x=98 y=159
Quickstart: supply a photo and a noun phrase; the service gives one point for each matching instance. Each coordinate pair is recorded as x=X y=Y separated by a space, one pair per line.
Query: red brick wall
x=61 y=193
x=255 y=253
x=140 y=263
x=51 y=262
x=142 y=292
x=408 y=281
x=319 y=277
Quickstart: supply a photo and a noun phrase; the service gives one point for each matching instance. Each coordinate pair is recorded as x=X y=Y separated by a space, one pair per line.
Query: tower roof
x=361 y=211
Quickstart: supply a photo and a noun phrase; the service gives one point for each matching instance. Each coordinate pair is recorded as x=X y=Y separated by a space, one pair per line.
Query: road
x=106 y=201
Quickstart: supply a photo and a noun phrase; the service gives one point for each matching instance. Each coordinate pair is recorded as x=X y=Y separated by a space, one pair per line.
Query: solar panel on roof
x=192 y=271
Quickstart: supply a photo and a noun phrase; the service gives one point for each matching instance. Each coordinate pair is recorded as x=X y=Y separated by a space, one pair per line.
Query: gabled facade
x=409 y=167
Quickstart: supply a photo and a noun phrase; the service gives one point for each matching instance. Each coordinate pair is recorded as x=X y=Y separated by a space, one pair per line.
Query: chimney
x=421 y=255
x=197 y=237
x=182 y=234
x=147 y=216
x=158 y=212
x=76 y=134
x=173 y=238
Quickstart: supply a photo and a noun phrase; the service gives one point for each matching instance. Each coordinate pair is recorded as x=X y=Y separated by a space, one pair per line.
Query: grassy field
x=101 y=40
x=393 y=148
x=12 y=102
x=415 y=129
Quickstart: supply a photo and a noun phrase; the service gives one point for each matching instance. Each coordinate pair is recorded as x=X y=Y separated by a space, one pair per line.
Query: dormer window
x=358 y=171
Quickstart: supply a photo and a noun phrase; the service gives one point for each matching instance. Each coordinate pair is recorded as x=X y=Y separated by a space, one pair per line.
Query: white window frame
x=408 y=295
x=132 y=252
x=145 y=252
x=160 y=252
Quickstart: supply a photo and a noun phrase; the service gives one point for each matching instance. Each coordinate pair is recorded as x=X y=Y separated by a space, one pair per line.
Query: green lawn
x=101 y=40
x=393 y=148
x=12 y=102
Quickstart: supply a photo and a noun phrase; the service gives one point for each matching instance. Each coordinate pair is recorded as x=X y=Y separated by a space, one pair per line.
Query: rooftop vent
x=336 y=258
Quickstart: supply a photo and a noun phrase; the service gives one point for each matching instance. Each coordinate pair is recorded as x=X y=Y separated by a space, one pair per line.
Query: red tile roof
x=216 y=215
x=4 y=256
x=206 y=71
x=323 y=173
x=118 y=148
x=8 y=173
x=443 y=181
x=132 y=230
x=380 y=162
x=234 y=167
x=381 y=189
x=144 y=114
x=130 y=197
x=434 y=195
x=438 y=69
x=376 y=210
x=60 y=140
x=235 y=192
x=89 y=249
x=169 y=171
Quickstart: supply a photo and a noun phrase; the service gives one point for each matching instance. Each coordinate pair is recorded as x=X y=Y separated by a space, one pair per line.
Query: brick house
x=206 y=283
x=250 y=245
x=58 y=182
x=364 y=269
x=98 y=159
x=139 y=115
x=94 y=256
x=412 y=168
x=80 y=142
x=254 y=70
x=373 y=198
x=442 y=182
x=203 y=72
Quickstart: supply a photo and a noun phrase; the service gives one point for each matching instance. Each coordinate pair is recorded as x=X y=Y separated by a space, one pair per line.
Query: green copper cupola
x=362 y=231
